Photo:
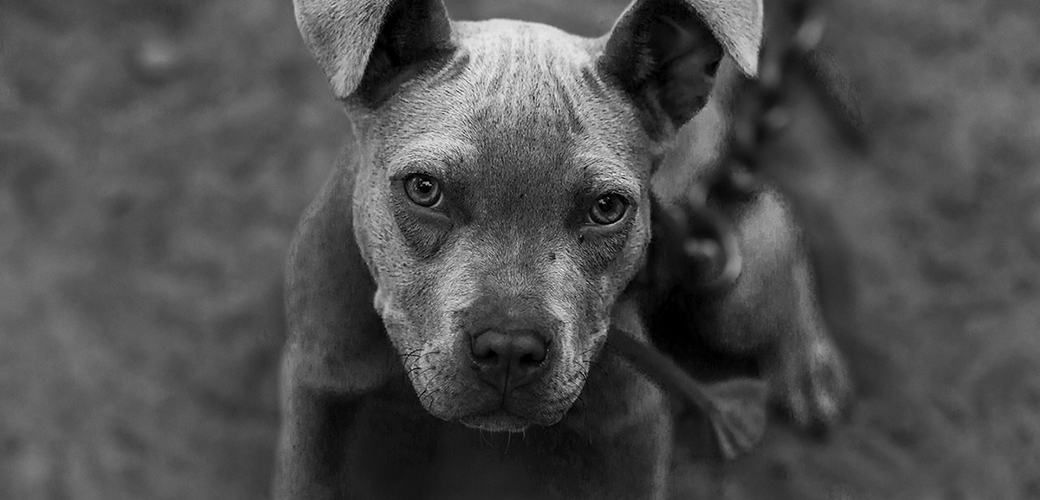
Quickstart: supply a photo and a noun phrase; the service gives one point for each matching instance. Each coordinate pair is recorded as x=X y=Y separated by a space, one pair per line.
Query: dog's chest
x=398 y=451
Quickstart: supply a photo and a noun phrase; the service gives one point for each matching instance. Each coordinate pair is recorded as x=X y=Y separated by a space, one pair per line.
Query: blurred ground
x=154 y=157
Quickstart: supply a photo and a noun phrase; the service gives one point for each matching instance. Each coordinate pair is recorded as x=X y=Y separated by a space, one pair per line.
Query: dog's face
x=502 y=200
x=509 y=194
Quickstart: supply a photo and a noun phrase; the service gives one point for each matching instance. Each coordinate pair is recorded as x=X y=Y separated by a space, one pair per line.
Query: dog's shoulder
x=336 y=339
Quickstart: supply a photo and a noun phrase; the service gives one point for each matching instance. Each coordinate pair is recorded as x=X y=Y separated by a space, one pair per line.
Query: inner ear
x=414 y=36
x=684 y=59
x=666 y=60
x=665 y=54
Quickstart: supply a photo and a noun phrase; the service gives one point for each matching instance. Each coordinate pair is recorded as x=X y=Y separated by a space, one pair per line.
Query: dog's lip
x=497 y=420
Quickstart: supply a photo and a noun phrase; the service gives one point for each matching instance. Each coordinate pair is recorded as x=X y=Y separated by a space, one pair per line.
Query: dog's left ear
x=665 y=53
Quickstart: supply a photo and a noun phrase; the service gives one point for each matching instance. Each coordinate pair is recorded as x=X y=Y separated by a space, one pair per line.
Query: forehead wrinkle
x=525 y=72
x=532 y=102
x=556 y=95
x=435 y=152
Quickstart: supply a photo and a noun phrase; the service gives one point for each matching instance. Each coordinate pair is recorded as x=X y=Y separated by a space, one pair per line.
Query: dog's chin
x=497 y=421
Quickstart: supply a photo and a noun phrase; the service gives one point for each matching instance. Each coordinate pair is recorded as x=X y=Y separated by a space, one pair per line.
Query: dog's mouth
x=515 y=414
x=499 y=420
x=452 y=389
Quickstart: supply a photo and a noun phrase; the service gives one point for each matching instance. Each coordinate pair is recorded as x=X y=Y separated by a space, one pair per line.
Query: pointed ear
x=367 y=47
x=665 y=53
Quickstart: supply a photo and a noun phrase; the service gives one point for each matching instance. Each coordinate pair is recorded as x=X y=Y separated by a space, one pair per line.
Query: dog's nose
x=508 y=360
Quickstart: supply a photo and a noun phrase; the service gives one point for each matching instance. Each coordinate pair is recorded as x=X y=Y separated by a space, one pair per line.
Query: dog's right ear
x=368 y=47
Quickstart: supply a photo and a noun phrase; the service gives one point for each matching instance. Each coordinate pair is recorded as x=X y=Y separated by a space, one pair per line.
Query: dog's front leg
x=633 y=415
x=336 y=352
x=312 y=448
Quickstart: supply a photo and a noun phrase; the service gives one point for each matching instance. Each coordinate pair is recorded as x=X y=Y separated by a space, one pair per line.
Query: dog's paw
x=811 y=385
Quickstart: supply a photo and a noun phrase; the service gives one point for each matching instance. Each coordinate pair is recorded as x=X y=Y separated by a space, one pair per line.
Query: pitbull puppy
x=450 y=290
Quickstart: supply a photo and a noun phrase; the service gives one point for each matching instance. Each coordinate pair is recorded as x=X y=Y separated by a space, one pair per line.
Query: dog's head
x=502 y=199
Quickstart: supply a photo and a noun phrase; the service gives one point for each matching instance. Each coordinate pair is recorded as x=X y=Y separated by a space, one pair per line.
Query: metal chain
x=710 y=260
x=769 y=93
x=698 y=247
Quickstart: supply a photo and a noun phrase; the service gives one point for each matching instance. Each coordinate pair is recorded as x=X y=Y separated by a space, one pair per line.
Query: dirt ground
x=155 y=156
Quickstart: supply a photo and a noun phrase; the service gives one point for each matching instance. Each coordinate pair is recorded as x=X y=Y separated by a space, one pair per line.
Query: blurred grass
x=154 y=157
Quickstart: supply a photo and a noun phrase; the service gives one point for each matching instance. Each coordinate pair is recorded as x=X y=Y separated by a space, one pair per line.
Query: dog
x=450 y=290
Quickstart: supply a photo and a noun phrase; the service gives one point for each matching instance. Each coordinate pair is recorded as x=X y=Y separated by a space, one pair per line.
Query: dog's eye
x=422 y=189
x=608 y=209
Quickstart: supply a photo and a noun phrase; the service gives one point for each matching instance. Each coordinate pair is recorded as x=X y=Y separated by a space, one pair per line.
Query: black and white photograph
x=519 y=249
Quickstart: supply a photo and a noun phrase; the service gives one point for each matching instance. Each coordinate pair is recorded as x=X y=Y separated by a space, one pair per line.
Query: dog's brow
x=599 y=175
x=435 y=155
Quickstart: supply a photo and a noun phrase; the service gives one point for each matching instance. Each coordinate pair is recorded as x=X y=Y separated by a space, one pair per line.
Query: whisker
x=584 y=412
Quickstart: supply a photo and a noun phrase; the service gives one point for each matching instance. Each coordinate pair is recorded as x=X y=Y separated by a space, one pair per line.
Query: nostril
x=531 y=351
x=531 y=360
x=483 y=348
